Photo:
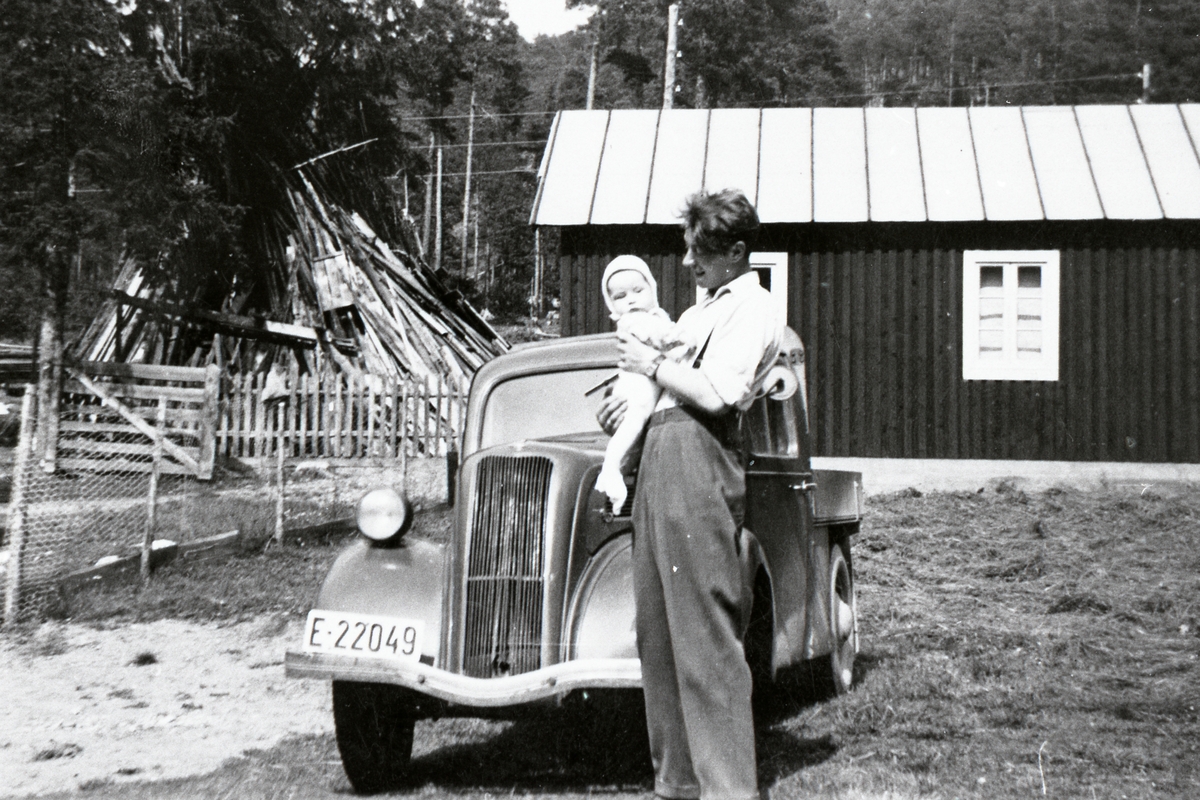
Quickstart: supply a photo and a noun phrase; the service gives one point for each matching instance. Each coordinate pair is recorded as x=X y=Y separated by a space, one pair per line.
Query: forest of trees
x=169 y=130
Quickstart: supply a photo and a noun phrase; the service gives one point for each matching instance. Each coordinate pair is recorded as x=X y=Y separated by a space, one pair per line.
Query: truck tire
x=843 y=622
x=374 y=725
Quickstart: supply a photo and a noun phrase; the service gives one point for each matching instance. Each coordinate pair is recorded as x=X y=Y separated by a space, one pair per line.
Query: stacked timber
x=347 y=303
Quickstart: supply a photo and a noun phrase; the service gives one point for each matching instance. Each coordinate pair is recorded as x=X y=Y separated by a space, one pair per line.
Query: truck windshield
x=545 y=404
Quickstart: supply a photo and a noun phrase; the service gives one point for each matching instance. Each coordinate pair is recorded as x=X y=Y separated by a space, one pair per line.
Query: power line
x=485 y=144
x=978 y=86
x=404 y=118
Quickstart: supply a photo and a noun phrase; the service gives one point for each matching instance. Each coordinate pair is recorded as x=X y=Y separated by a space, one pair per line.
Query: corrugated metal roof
x=875 y=164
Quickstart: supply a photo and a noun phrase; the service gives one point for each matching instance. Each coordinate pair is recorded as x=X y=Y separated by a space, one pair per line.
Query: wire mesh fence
x=111 y=511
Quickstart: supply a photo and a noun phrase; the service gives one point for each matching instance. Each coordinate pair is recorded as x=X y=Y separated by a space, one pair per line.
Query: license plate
x=363 y=635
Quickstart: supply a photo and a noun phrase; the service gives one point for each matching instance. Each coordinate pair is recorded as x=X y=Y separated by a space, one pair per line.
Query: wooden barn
x=970 y=283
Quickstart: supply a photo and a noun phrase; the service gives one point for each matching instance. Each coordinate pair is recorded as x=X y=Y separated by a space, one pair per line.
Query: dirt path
x=145 y=702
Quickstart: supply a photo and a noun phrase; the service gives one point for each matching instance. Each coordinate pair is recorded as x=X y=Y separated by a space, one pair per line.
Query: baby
x=632 y=299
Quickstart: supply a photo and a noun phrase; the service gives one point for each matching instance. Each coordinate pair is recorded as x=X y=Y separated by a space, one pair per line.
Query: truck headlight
x=383 y=515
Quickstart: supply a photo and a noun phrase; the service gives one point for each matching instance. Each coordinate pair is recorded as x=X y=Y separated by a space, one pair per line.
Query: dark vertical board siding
x=828 y=360
x=1101 y=437
x=1162 y=355
x=880 y=312
x=872 y=355
x=1173 y=335
x=845 y=278
x=909 y=377
x=1078 y=362
x=856 y=433
x=957 y=393
x=1192 y=348
x=812 y=324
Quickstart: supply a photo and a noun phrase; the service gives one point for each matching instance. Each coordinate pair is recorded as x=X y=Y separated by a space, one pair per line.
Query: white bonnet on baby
x=621 y=264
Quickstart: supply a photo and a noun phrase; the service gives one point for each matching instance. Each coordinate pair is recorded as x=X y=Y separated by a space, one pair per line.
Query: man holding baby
x=691 y=577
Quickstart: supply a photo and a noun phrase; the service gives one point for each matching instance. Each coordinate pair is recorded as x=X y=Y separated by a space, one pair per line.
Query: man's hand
x=611 y=412
x=637 y=356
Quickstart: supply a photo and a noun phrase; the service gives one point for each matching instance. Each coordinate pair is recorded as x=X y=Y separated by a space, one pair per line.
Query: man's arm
x=688 y=385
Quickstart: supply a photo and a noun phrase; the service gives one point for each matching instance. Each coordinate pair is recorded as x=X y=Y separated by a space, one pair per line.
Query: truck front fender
x=404 y=581
x=602 y=616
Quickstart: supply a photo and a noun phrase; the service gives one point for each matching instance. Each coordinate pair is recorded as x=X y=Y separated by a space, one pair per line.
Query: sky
x=551 y=17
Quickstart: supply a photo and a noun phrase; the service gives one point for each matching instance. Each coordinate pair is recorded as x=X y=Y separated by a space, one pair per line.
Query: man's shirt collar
x=738 y=285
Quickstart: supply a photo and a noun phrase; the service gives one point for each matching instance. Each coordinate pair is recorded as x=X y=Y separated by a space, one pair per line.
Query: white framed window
x=1010 y=315
x=772 y=269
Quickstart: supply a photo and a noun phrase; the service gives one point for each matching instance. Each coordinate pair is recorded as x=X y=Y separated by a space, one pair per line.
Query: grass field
x=1013 y=646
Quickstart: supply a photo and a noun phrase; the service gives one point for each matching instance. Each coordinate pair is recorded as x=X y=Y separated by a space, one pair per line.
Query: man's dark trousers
x=693 y=593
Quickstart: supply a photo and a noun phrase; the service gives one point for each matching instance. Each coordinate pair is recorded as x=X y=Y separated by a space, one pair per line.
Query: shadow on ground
x=572 y=752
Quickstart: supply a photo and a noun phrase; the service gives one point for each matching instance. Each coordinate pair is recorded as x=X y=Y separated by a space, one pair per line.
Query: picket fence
x=340 y=417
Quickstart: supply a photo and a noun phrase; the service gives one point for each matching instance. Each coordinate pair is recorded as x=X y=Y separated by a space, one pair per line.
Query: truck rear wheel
x=374 y=724
x=843 y=622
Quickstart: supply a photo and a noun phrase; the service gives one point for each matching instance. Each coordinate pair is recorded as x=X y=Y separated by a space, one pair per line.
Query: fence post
x=279 y=476
x=16 y=512
x=152 y=496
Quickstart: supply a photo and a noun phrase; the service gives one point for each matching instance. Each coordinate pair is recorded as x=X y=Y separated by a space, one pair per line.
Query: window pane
x=991 y=277
x=991 y=343
x=1029 y=343
x=1029 y=277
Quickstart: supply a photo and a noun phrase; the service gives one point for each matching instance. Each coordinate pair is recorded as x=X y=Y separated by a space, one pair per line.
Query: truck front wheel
x=374 y=724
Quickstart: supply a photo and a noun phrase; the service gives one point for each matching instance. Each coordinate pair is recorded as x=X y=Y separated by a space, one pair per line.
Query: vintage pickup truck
x=531 y=602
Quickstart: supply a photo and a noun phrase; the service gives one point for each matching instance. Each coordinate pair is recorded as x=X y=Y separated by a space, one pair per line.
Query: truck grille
x=503 y=631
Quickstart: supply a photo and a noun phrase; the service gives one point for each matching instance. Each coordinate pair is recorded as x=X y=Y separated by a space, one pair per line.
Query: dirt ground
x=86 y=707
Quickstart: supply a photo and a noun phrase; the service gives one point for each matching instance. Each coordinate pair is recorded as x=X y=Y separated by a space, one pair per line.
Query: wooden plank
x=301 y=448
x=1122 y=176
x=895 y=187
x=438 y=430
x=133 y=391
x=567 y=189
x=137 y=422
x=951 y=176
x=785 y=165
x=247 y=421
x=731 y=158
x=1060 y=164
x=1173 y=163
x=392 y=447
x=623 y=183
x=372 y=411
x=839 y=165
x=1006 y=175
x=150 y=372
x=678 y=163
x=210 y=410
x=82 y=445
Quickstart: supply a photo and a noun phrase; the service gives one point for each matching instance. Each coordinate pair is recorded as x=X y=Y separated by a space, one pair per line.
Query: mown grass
x=1014 y=645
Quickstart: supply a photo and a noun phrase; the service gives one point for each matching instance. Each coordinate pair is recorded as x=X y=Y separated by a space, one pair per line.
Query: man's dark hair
x=718 y=220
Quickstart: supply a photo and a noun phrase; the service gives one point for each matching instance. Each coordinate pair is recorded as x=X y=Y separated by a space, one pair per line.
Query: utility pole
x=669 y=66
x=437 y=236
x=591 y=92
x=428 y=216
x=466 y=214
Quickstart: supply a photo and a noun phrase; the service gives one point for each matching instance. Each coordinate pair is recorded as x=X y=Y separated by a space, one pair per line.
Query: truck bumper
x=511 y=690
